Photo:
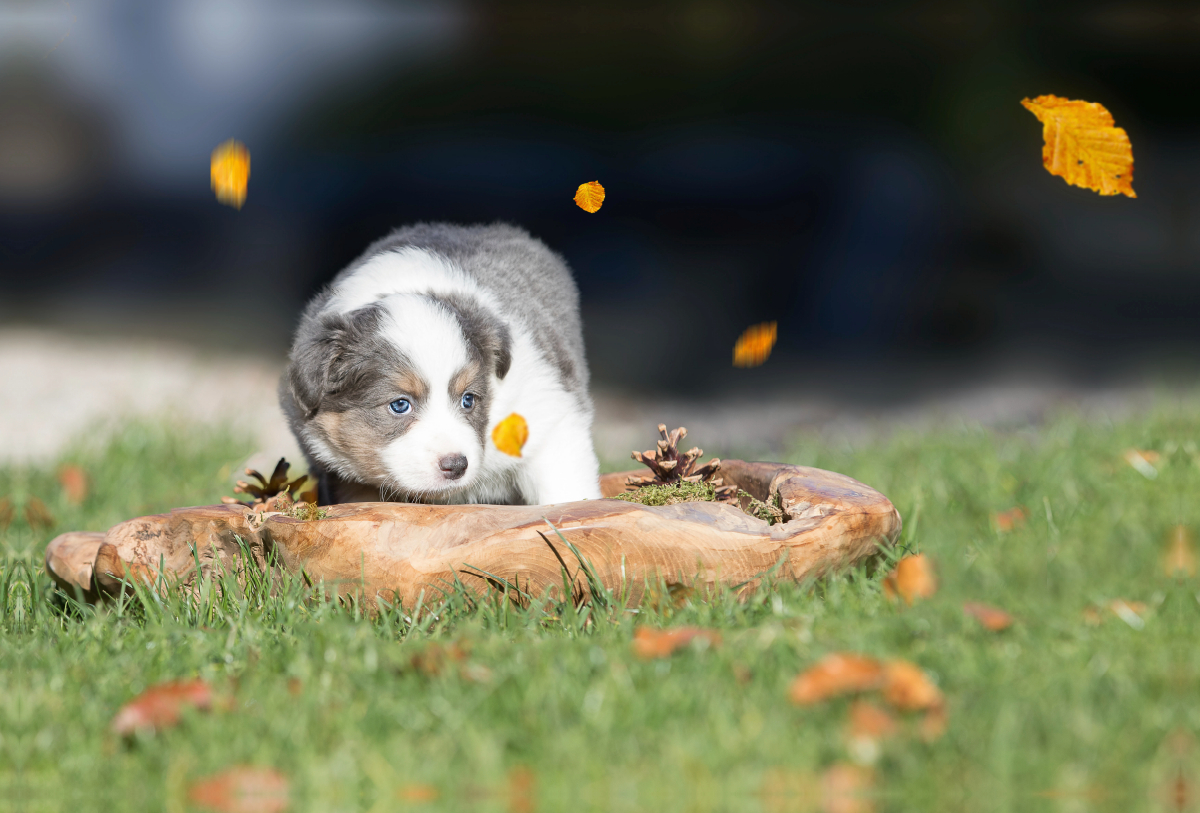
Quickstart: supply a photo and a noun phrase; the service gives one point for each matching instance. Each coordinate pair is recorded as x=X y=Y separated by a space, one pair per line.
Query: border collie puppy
x=403 y=366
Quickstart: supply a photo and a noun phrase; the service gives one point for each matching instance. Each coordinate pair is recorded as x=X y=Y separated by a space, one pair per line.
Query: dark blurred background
x=863 y=173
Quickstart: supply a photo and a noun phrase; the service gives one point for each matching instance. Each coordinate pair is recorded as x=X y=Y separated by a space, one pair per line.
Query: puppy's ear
x=502 y=352
x=325 y=360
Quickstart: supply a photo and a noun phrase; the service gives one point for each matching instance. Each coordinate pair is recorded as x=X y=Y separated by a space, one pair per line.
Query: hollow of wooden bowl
x=409 y=552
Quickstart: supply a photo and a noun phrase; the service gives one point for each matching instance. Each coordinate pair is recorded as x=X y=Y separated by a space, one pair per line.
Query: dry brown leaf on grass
x=992 y=618
x=913 y=578
x=74 y=482
x=834 y=675
x=651 y=643
x=1008 y=520
x=1083 y=145
x=229 y=172
x=161 y=706
x=590 y=196
x=1143 y=462
x=754 y=346
x=243 y=789
x=511 y=434
x=1179 y=561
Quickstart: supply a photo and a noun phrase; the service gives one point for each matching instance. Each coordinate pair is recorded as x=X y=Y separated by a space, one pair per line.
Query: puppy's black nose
x=452 y=465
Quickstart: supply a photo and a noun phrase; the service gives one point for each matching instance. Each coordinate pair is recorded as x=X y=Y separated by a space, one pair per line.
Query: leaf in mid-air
x=590 y=196
x=510 y=435
x=1083 y=146
x=230 y=171
x=754 y=345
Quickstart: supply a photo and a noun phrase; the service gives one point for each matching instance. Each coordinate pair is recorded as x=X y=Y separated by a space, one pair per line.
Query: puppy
x=403 y=366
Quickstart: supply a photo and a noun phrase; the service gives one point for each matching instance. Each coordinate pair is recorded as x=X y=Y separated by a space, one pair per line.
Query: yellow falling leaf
x=754 y=345
x=510 y=435
x=590 y=196
x=230 y=172
x=1082 y=145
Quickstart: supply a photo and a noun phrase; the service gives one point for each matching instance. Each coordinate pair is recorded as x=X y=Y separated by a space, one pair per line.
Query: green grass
x=1053 y=714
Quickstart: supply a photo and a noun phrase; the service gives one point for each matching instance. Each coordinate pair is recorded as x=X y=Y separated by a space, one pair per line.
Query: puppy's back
x=532 y=284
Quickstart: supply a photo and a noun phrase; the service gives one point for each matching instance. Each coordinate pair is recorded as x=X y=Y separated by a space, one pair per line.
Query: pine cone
x=274 y=494
x=669 y=465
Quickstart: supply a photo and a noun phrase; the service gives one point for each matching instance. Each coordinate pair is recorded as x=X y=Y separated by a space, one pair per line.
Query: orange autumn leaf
x=243 y=789
x=912 y=578
x=834 y=675
x=74 y=482
x=418 y=793
x=230 y=172
x=161 y=706
x=1143 y=462
x=1012 y=518
x=590 y=196
x=1083 y=146
x=1180 y=558
x=907 y=688
x=650 y=643
x=754 y=346
x=991 y=618
x=510 y=435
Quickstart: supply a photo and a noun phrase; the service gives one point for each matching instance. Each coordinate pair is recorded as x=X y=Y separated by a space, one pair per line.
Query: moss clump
x=305 y=511
x=670 y=493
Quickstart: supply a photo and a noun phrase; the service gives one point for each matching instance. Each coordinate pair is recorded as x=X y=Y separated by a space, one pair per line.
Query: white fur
x=557 y=464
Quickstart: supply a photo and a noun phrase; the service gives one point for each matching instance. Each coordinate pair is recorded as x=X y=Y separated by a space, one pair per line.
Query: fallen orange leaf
x=418 y=793
x=1143 y=462
x=74 y=482
x=991 y=618
x=1083 y=146
x=650 y=643
x=511 y=434
x=161 y=706
x=912 y=578
x=243 y=789
x=1180 y=559
x=590 y=196
x=906 y=687
x=1012 y=518
x=230 y=172
x=754 y=346
x=836 y=674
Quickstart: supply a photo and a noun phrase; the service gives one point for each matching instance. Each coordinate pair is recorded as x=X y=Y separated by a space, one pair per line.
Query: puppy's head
x=397 y=393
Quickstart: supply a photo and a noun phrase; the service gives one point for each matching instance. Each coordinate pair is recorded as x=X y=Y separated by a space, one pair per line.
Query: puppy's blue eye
x=400 y=406
x=468 y=400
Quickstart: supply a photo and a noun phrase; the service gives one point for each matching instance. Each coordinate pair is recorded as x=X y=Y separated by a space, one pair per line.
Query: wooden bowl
x=413 y=552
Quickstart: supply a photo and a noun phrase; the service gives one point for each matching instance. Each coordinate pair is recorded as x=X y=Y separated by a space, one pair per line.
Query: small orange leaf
x=1180 y=559
x=1083 y=146
x=590 y=196
x=907 y=688
x=418 y=793
x=1010 y=519
x=74 y=482
x=754 y=346
x=161 y=706
x=510 y=435
x=650 y=643
x=912 y=578
x=834 y=675
x=230 y=172
x=243 y=789
x=991 y=618
x=1143 y=461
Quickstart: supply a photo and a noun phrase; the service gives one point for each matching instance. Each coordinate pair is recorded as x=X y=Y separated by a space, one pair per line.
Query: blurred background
x=862 y=173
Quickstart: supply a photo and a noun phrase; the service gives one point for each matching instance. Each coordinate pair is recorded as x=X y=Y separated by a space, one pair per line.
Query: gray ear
x=323 y=362
x=502 y=351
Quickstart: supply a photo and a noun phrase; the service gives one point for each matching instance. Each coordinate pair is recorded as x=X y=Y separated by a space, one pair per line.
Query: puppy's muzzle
x=452 y=466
